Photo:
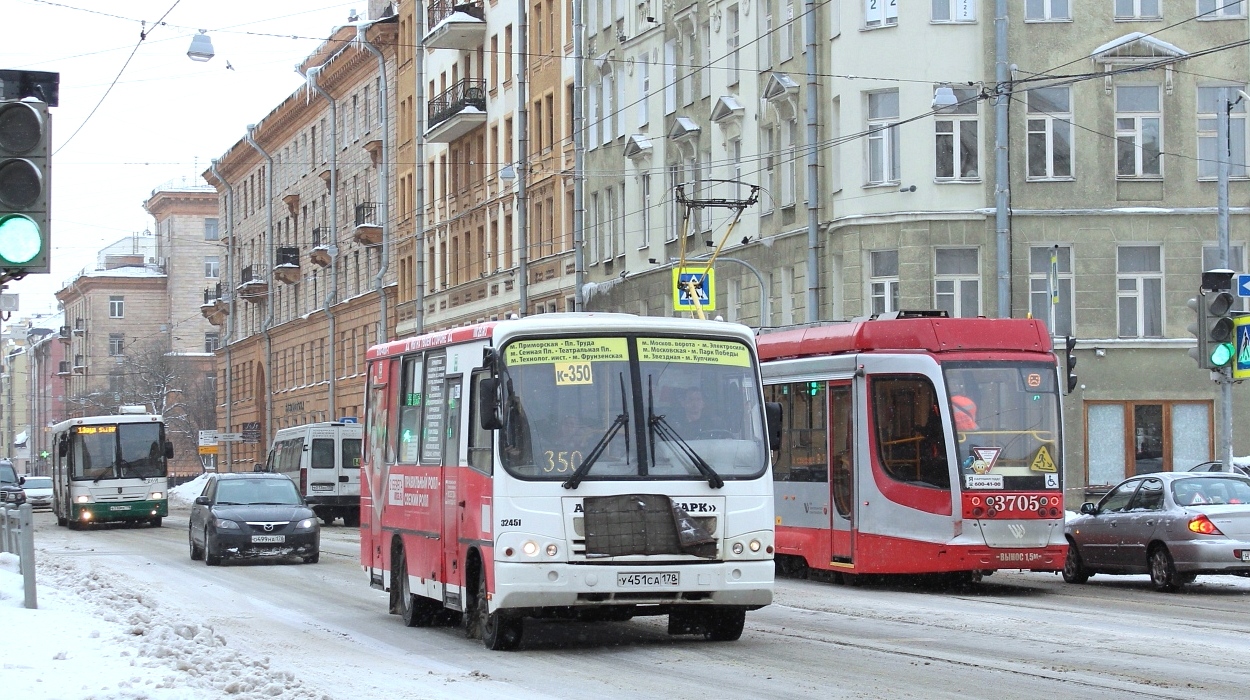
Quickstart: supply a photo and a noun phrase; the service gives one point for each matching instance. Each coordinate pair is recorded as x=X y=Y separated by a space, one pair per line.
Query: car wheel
x=724 y=625
x=313 y=558
x=1163 y=570
x=499 y=632
x=212 y=557
x=1073 y=568
x=196 y=552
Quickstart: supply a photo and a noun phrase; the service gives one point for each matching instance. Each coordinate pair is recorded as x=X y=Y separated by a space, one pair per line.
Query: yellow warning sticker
x=569 y=350
x=706 y=352
x=1043 y=462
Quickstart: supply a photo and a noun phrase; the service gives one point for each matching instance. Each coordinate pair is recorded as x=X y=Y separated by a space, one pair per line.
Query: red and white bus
x=917 y=444
x=557 y=466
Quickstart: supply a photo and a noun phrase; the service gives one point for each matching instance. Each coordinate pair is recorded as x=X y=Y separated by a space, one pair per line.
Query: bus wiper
x=658 y=424
x=621 y=421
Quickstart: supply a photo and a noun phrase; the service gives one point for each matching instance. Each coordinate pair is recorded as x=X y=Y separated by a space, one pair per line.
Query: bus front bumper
x=130 y=510
x=738 y=583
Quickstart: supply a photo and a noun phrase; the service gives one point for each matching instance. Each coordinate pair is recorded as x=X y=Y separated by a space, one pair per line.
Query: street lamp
x=201 y=47
x=944 y=98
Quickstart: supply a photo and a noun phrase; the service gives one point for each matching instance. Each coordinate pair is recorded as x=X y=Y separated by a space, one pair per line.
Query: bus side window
x=481 y=449
x=410 y=404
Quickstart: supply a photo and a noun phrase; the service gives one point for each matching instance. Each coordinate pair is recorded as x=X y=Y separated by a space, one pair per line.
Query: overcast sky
x=164 y=119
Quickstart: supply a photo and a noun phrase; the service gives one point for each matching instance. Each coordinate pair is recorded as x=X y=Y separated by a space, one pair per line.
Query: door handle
x=1150 y=522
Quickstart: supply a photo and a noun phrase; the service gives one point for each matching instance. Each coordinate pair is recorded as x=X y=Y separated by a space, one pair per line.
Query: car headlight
x=225 y=524
x=156 y=496
x=306 y=524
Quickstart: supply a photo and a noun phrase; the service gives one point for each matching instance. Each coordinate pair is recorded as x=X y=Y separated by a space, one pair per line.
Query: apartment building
x=46 y=387
x=303 y=201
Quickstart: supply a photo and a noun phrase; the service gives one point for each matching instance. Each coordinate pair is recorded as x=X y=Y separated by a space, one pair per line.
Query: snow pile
x=184 y=494
x=96 y=638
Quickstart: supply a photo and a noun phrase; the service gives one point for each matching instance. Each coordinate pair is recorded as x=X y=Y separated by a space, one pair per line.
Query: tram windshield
x=1006 y=420
x=122 y=451
x=634 y=407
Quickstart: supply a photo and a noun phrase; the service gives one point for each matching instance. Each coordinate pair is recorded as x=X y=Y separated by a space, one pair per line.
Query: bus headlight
x=551 y=550
x=83 y=499
x=530 y=548
x=156 y=496
x=755 y=545
x=737 y=548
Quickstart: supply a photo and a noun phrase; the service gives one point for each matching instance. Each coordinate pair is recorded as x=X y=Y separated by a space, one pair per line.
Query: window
x=789 y=158
x=801 y=454
x=1208 y=136
x=210 y=341
x=880 y=13
x=1050 y=133
x=733 y=40
x=116 y=341
x=764 y=42
x=1138 y=131
x=1128 y=438
x=769 y=140
x=955 y=138
x=883 y=151
x=210 y=230
x=1046 y=10
x=957 y=284
x=787 y=33
x=883 y=281
x=645 y=219
x=211 y=266
x=954 y=10
x=670 y=76
x=1220 y=9
x=904 y=407
x=1049 y=277
x=1139 y=291
x=644 y=89
x=1140 y=9
x=117 y=307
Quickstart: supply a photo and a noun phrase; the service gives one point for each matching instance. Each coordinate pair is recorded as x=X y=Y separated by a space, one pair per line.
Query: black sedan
x=250 y=515
x=1171 y=525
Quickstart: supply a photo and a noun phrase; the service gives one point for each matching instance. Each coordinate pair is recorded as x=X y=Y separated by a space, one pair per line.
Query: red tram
x=917 y=444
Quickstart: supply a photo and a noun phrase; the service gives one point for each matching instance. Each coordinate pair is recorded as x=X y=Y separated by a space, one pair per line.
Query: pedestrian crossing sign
x=1241 y=347
x=703 y=288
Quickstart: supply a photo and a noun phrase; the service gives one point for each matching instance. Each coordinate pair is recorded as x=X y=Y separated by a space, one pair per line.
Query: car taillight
x=1202 y=525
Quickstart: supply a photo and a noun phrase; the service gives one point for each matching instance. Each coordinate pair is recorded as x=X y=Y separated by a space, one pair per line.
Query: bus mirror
x=772 y=413
x=169 y=450
x=488 y=404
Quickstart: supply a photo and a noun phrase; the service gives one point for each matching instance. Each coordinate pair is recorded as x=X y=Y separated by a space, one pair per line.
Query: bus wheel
x=73 y=524
x=156 y=522
x=415 y=610
x=499 y=632
x=62 y=522
x=724 y=625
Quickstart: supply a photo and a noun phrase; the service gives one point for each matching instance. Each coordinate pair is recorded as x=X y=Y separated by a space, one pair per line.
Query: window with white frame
x=789 y=157
x=956 y=138
x=644 y=88
x=771 y=185
x=883 y=281
x=670 y=224
x=1138 y=9
x=883 y=148
x=609 y=106
x=1138 y=131
x=954 y=10
x=212 y=267
x=644 y=183
x=116 y=343
x=1139 y=291
x=592 y=117
x=1236 y=261
x=619 y=220
x=787 y=32
x=670 y=76
x=705 y=72
x=117 y=307
x=1046 y=11
x=957 y=282
x=1049 y=150
x=880 y=13
x=1221 y=9
x=210 y=341
x=1208 y=136
x=732 y=41
x=595 y=221
x=607 y=224
x=211 y=231
x=1050 y=287
x=764 y=42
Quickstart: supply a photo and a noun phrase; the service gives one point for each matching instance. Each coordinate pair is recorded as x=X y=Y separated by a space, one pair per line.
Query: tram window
x=410 y=401
x=804 y=438
x=842 y=441
x=911 y=442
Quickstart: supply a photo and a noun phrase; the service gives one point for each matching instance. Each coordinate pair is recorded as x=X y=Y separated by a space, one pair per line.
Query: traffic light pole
x=1225 y=379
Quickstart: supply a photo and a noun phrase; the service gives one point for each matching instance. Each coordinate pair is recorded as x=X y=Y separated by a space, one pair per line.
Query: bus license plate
x=268 y=539
x=119 y=507
x=651 y=578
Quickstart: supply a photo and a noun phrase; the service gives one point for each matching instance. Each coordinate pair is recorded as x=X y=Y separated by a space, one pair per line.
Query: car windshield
x=8 y=475
x=564 y=399
x=38 y=482
x=1006 y=420
x=248 y=492
x=1211 y=491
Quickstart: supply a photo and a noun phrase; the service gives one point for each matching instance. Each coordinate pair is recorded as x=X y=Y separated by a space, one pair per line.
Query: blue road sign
x=1243 y=285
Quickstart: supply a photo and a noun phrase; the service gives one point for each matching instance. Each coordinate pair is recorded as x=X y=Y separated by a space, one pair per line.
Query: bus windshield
x=124 y=451
x=640 y=407
x=1006 y=419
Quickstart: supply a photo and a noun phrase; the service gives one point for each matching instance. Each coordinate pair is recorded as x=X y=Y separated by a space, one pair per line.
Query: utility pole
x=1224 y=375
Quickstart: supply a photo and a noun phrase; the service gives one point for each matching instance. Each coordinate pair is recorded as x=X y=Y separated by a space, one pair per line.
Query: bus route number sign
x=570 y=373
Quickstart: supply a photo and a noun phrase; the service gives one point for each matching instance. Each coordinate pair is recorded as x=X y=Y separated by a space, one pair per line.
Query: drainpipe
x=523 y=169
x=1002 y=178
x=332 y=289
x=230 y=315
x=579 y=157
x=419 y=234
x=268 y=323
x=384 y=181
x=813 y=169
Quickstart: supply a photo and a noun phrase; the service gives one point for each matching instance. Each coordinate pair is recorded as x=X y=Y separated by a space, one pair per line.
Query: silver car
x=38 y=491
x=1171 y=525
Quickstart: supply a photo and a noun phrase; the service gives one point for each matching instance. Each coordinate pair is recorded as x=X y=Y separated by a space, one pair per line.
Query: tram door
x=841 y=412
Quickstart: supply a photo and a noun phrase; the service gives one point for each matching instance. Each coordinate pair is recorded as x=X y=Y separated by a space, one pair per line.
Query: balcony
x=455 y=25
x=456 y=112
x=63 y=334
x=62 y=368
x=214 y=308
x=368 y=224
x=320 y=254
x=80 y=365
x=253 y=286
x=286 y=268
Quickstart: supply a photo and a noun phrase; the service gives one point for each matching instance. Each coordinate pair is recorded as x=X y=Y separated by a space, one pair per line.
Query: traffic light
x=1218 y=298
x=25 y=127
x=1201 y=354
x=1069 y=362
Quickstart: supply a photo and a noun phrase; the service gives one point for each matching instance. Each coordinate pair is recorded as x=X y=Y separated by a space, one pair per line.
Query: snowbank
x=184 y=494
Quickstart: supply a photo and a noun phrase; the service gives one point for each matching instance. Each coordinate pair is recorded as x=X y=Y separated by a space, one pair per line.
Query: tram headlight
x=156 y=496
x=83 y=499
x=530 y=548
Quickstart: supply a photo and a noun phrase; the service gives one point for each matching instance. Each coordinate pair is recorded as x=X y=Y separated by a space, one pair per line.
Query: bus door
x=454 y=508
x=842 y=470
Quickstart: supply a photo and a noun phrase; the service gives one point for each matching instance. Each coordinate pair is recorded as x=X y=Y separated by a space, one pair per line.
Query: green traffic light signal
x=20 y=239
x=1222 y=354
